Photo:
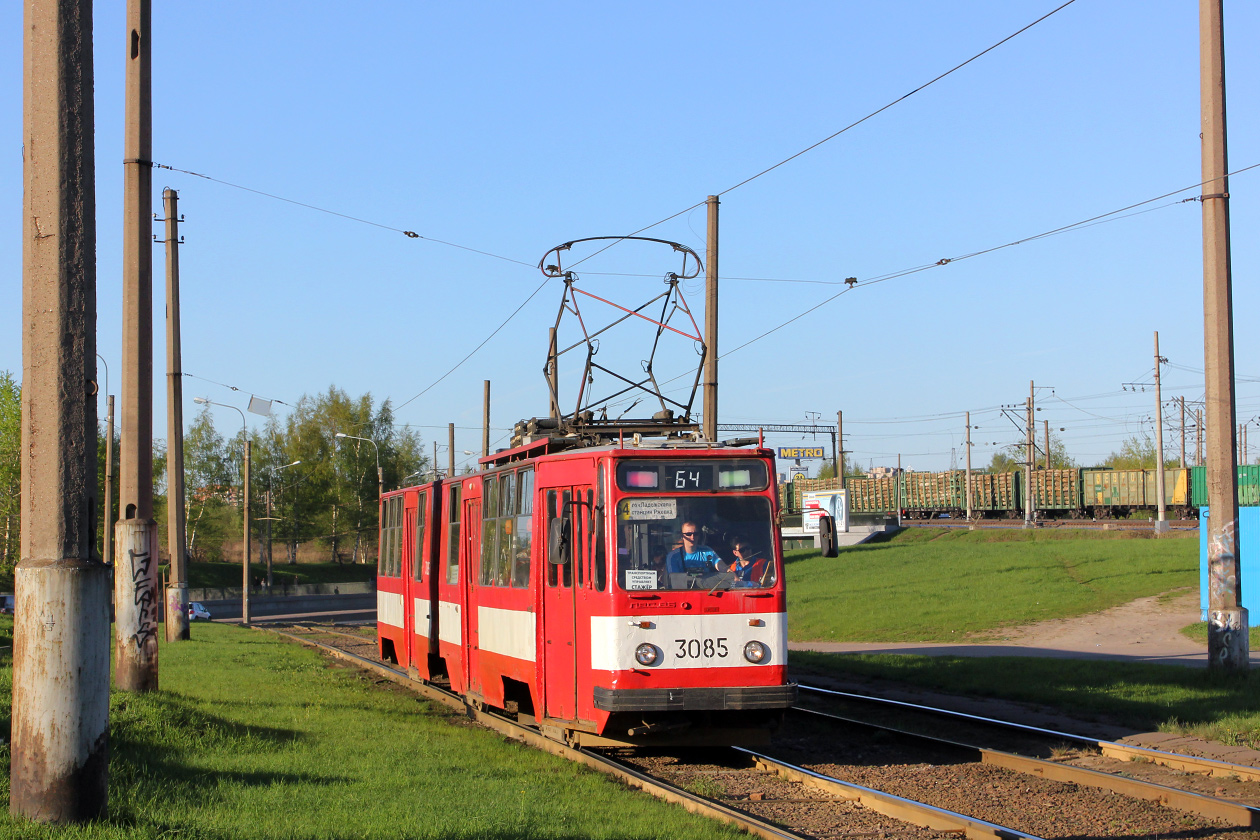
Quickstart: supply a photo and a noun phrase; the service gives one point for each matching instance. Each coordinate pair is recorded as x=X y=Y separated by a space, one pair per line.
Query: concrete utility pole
x=1161 y=521
x=245 y=548
x=1047 y=427
x=176 y=526
x=1028 y=463
x=1227 y=619
x=1182 y=401
x=839 y=448
x=450 y=450
x=136 y=597
x=711 y=324
x=485 y=421
x=1198 y=436
x=968 y=490
x=59 y=766
x=107 y=531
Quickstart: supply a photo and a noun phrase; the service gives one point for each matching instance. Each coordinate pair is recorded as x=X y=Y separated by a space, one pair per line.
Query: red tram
x=556 y=585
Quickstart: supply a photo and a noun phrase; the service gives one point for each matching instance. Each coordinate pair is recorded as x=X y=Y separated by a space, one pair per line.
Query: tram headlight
x=646 y=654
x=755 y=652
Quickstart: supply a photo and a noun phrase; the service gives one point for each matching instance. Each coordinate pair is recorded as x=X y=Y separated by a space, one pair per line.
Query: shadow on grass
x=1140 y=695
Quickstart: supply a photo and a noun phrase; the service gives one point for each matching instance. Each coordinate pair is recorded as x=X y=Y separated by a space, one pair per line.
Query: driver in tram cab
x=689 y=556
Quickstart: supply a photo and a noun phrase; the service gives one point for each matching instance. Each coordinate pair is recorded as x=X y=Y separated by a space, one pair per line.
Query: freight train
x=1097 y=493
x=621 y=594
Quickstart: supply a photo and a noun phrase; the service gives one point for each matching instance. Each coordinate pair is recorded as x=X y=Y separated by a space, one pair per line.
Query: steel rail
x=897 y=807
x=1232 y=813
x=1110 y=749
x=662 y=790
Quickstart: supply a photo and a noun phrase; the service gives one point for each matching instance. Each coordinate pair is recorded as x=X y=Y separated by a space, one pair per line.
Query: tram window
x=389 y=547
x=580 y=554
x=507 y=489
x=566 y=512
x=452 y=537
x=523 y=546
x=490 y=504
x=550 y=515
x=503 y=556
x=486 y=573
x=600 y=559
x=420 y=558
x=382 y=544
x=525 y=492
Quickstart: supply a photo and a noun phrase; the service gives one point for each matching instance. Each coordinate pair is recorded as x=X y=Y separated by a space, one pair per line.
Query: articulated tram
x=556 y=584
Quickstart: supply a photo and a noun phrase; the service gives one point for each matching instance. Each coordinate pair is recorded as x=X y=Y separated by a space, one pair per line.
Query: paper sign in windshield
x=653 y=508
x=640 y=579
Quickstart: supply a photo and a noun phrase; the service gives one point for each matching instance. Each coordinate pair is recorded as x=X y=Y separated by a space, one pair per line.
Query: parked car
x=197 y=611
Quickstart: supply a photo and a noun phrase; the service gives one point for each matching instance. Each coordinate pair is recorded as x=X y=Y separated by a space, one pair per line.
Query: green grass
x=1148 y=697
x=223 y=575
x=935 y=585
x=252 y=737
x=1199 y=633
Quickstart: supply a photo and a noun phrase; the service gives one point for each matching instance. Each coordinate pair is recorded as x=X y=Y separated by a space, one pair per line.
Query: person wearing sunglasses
x=691 y=555
x=749 y=566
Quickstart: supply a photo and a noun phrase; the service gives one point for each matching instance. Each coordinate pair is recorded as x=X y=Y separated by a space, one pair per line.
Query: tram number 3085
x=700 y=648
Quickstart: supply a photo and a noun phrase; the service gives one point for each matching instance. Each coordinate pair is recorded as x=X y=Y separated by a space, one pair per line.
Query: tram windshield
x=695 y=542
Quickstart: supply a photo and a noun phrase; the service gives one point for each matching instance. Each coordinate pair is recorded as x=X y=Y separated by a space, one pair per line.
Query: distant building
x=881 y=472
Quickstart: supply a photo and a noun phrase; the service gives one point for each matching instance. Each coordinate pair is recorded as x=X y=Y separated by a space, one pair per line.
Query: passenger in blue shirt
x=690 y=557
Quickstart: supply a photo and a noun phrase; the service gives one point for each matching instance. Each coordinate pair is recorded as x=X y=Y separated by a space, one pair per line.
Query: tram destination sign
x=793 y=453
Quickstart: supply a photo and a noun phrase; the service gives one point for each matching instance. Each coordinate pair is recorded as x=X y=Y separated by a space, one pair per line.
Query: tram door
x=408 y=654
x=559 y=612
x=471 y=560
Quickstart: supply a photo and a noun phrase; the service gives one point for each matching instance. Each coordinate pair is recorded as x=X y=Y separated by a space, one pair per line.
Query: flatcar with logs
x=1086 y=493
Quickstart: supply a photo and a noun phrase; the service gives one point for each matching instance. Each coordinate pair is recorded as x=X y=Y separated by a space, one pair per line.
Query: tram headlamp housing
x=755 y=652
x=646 y=654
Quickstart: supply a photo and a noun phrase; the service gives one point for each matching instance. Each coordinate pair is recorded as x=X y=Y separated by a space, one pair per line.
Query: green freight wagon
x=1248 y=485
x=1107 y=492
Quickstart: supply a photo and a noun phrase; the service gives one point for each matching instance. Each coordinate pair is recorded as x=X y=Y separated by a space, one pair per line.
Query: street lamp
x=271 y=474
x=380 y=476
x=244 y=505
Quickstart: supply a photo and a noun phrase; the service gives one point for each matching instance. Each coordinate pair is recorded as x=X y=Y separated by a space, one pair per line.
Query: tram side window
x=420 y=558
x=551 y=514
x=389 y=549
x=382 y=542
x=395 y=543
x=452 y=537
x=566 y=571
x=599 y=555
x=503 y=561
x=524 y=538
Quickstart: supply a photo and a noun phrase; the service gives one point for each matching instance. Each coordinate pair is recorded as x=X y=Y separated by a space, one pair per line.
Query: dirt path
x=1148 y=629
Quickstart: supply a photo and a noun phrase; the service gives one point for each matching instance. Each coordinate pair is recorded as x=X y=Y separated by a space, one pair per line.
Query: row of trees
x=321 y=488
x=329 y=496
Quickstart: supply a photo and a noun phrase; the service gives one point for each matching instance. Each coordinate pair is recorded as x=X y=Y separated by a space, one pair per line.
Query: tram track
x=811 y=796
x=1025 y=738
x=973 y=752
x=812 y=786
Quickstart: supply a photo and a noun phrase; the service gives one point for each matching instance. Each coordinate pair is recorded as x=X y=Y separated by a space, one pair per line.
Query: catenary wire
x=836 y=134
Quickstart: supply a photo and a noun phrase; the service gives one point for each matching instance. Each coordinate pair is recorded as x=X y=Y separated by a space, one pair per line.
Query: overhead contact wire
x=833 y=136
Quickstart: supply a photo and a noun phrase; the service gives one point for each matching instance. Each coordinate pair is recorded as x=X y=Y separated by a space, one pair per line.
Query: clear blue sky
x=511 y=128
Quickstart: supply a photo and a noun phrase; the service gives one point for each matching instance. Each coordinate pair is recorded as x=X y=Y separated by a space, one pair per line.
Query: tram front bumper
x=694 y=699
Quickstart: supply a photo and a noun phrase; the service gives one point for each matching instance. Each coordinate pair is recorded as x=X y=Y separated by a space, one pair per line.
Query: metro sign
x=801 y=453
